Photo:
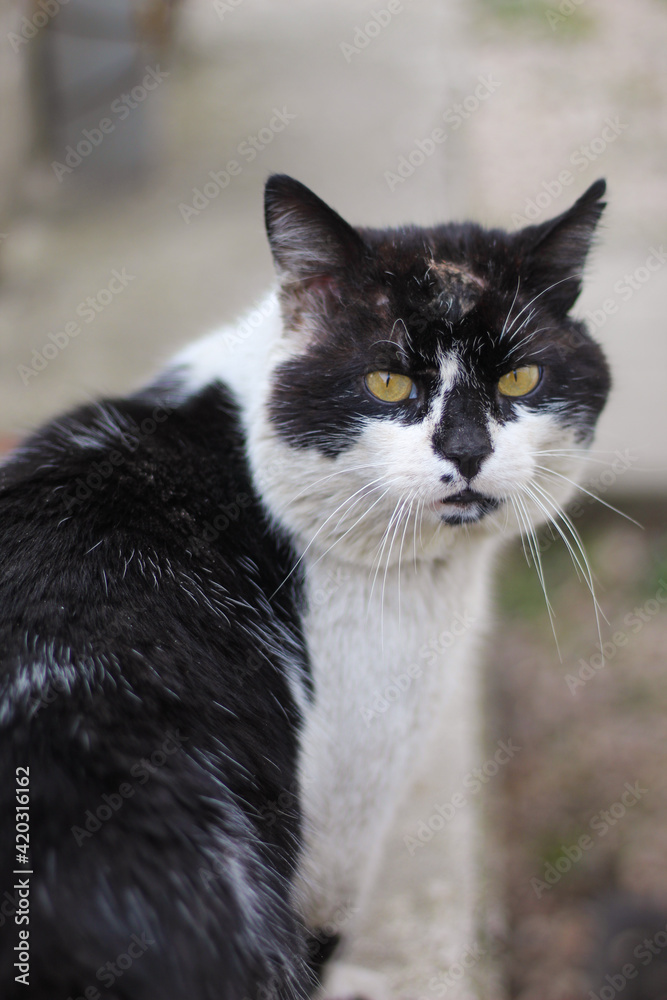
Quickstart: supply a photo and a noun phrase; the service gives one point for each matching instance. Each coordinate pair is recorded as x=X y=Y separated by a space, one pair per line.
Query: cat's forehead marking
x=457 y=283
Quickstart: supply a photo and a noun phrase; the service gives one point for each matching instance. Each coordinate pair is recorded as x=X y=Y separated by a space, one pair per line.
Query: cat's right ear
x=309 y=241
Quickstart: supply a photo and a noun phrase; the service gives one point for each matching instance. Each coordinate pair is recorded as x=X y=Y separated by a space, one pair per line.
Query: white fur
x=385 y=580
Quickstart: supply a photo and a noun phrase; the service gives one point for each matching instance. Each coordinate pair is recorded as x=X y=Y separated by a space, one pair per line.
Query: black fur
x=111 y=562
x=396 y=299
x=150 y=648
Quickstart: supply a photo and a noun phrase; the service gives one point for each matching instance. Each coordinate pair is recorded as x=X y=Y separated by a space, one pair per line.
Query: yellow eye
x=520 y=381
x=389 y=387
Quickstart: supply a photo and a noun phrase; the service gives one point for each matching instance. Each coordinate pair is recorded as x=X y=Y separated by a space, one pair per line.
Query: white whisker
x=585 y=568
x=552 y=472
x=570 y=277
x=321 y=528
x=509 y=313
x=537 y=562
x=400 y=553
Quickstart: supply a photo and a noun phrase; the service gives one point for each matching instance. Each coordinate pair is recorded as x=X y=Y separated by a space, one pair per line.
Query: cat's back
x=142 y=665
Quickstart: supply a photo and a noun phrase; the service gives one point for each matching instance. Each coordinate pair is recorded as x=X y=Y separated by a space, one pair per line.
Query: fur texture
x=207 y=589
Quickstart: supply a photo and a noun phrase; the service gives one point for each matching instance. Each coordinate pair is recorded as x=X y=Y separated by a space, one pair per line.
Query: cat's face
x=428 y=377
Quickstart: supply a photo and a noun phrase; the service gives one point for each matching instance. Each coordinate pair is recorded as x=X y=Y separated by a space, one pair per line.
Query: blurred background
x=136 y=136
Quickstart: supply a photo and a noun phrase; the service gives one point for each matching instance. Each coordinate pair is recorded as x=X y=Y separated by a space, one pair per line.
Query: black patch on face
x=397 y=300
x=462 y=435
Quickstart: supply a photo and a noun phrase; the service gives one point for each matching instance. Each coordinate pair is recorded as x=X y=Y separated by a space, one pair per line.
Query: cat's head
x=427 y=373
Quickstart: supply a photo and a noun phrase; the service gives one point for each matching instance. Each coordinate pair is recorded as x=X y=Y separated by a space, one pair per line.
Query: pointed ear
x=554 y=253
x=308 y=239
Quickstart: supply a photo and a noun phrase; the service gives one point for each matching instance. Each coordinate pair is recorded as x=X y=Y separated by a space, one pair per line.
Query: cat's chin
x=466 y=507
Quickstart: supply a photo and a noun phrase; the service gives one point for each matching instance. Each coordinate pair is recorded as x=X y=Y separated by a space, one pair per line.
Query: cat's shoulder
x=141 y=450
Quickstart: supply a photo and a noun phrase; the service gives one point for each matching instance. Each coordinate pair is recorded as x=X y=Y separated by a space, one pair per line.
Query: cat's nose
x=466 y=445
x=462 y=436
x=468 y=462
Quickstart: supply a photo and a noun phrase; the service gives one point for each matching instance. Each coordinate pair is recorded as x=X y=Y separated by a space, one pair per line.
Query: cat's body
x=252 y=572
x=364 y=626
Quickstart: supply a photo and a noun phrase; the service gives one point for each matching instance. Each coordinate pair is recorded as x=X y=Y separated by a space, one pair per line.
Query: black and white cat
x=206 y=586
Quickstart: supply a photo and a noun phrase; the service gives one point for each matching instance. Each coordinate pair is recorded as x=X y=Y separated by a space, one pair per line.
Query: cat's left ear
x=555 y=252
x=309 y=241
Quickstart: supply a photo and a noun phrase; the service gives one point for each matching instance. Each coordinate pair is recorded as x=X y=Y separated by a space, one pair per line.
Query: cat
x=237 y=604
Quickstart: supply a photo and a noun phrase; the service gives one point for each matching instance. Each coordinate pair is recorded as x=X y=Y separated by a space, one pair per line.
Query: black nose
x=465 y=443
x=462 y=435
x=468 y=462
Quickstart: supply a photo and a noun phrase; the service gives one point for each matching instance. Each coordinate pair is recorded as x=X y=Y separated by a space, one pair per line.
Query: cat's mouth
x=466 y=506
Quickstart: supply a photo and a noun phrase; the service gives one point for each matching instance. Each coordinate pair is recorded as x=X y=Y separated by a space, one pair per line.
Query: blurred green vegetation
x=563 y=20
x=519 y=594
x=518 y=590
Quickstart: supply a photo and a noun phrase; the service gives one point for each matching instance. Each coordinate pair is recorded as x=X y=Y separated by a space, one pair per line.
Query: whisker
x=515 y=333
x=323 y=479
x=552 y=472
x=414 y=533
x=358 y=521
x=543 y=292
x=586 y=572
x=321 y=528
x=386 y=569
x=537 y=562
x=515 y=347
x=522 y=533
x=400 y=553
x=381 y=547
x=571 y=455
x=509 y=313
x=575 y=451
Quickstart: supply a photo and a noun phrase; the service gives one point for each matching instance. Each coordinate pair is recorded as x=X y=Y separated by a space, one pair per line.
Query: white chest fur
x=387 y=673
